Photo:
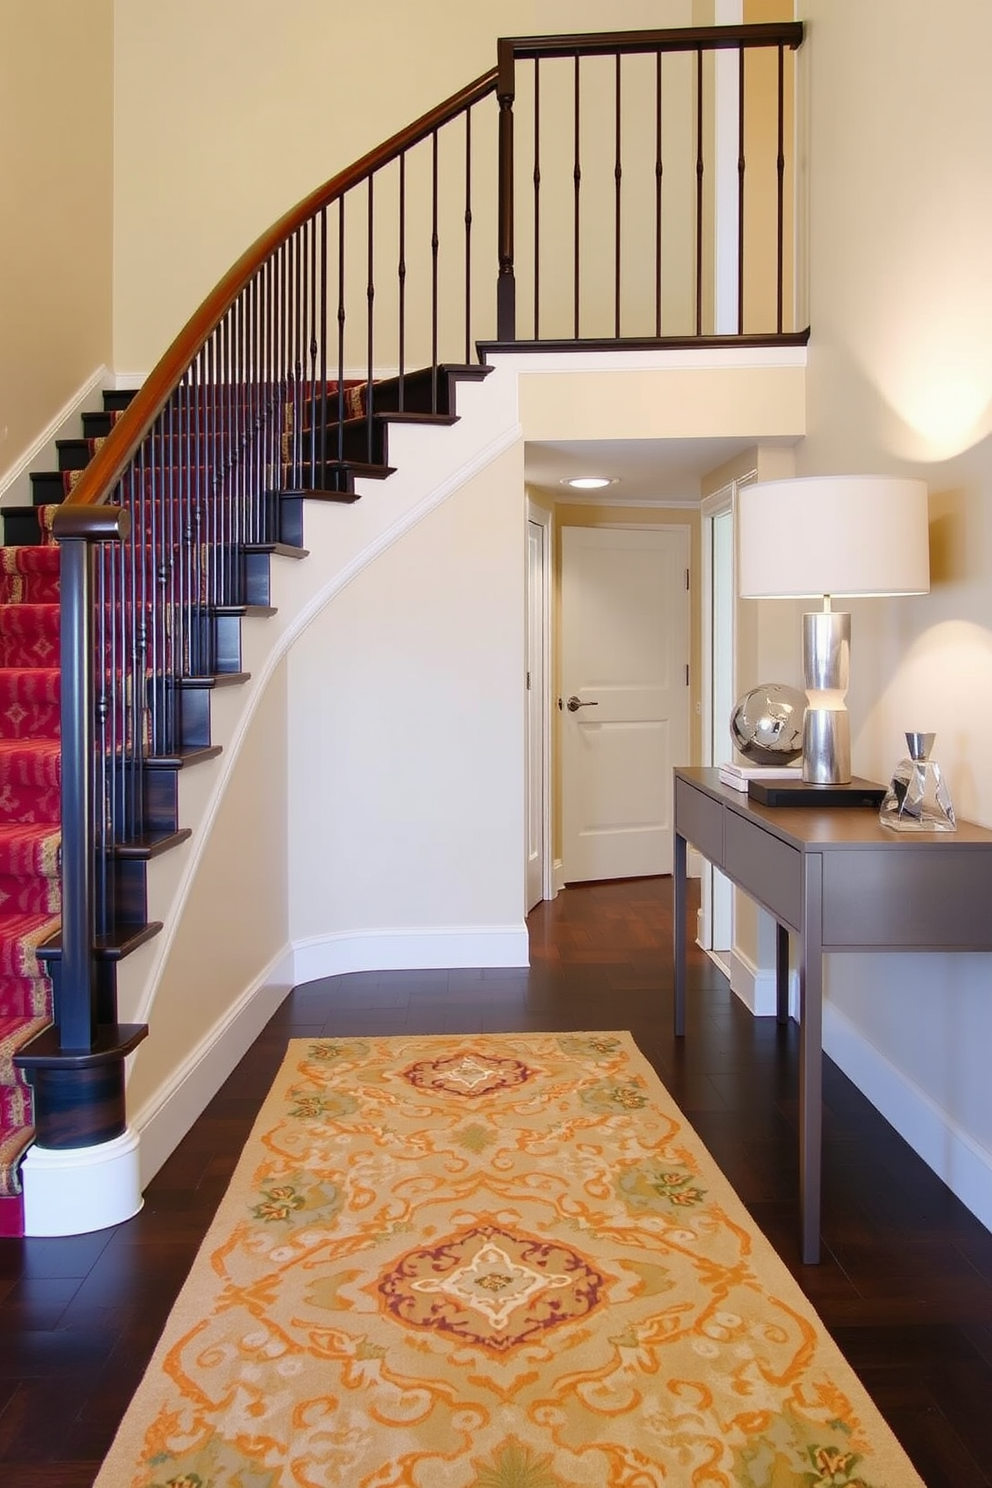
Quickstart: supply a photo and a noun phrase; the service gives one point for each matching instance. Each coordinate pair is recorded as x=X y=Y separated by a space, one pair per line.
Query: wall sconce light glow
x=590 y=482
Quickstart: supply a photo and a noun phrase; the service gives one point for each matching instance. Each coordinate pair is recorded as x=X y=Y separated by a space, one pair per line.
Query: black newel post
x=76 y=1067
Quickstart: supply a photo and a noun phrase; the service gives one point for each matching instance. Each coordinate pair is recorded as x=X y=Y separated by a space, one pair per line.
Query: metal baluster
x=256 y=291
x=780 y=166
x=228 y=474
x=211 y=505
x=740 y=191
x=198 y=414
x=576 y=191
x=468 y=235
x=273 y=403
x=370 y=322
x=342 y=316
x=618 y=177
x=323 y=346
x=699 y=193
x=143 y=548
x=113 y=625
x=135 y=652
x=298 y=414
x=401 y=276
x=312 y=327
x=102 y=782
x=537 y=198
x=284 y=451
x=659 y=170
x=435 y=242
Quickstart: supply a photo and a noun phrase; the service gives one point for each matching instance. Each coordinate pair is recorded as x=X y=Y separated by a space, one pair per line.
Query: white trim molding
x=936 y=1137
x=75 y=1190
x=165 y=1119
x=432 y=948
x=756 y=986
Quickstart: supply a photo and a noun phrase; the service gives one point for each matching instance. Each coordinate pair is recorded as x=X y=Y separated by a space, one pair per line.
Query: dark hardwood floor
x=905 y=1285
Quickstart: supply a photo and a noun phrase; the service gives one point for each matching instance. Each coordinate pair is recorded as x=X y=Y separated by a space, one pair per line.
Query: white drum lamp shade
x=825 y=537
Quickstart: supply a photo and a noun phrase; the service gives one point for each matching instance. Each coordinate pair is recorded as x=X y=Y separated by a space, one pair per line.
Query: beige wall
x=56 y=161
x=215 y=140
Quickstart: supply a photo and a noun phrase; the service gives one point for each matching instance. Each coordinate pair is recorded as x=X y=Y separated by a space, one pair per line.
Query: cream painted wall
x=406 y=726
x=900 y=381
x=56 y=162
x=234 y=922
x=215 y=139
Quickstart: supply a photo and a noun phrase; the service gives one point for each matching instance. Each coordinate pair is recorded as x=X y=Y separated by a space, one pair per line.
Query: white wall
x=900 y=381
x=406 y=724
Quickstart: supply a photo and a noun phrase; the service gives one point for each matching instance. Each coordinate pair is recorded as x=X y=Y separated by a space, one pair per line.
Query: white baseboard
x=15 y=483
x=755 y=986
x=76 y=1190
x=410 y=949
x=944 y=1146
x=559 y=875
x=125 y=382
x=164 y=1120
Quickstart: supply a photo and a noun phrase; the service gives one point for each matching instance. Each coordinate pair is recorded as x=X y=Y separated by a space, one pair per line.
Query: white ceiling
x=647 y=470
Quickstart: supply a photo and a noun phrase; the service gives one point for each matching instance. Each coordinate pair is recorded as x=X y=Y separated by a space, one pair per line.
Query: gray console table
x=838 y=881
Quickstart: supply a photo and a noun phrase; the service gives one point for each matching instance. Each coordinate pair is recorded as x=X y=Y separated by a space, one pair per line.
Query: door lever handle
x=573 y=705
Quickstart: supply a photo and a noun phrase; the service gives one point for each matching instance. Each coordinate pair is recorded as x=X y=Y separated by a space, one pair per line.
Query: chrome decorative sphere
x=766 y=725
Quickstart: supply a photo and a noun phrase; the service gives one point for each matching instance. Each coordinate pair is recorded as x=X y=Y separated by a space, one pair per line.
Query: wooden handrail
x=101 y=475
x=677 y=39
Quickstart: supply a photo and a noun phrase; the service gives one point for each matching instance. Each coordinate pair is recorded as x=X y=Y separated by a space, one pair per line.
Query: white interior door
x=625 y=715
x=538 y=723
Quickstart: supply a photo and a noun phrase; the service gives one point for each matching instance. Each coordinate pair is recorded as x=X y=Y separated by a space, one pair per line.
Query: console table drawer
x=699 y=819
x=764 y=867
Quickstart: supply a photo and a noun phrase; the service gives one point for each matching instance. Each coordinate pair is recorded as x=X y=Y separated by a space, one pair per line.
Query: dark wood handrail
x=101 y=475
x=678 y=39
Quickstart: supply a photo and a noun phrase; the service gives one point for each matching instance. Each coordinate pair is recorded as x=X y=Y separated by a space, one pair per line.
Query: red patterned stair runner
x=30 y=836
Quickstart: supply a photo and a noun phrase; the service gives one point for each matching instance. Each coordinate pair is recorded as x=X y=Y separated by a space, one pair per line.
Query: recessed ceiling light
x=590 y=482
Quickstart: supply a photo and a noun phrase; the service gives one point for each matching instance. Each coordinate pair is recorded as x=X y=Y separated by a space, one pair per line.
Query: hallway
x=906 y=1281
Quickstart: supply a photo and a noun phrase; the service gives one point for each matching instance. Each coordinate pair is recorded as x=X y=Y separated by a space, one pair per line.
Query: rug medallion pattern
x=499 y=1262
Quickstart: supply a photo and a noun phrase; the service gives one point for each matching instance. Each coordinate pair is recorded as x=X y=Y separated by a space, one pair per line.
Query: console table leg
x=679 y=907
x=781 y=974
x=811 y=1057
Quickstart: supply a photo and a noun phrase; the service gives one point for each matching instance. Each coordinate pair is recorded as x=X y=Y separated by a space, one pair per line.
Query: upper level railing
x=657 y=184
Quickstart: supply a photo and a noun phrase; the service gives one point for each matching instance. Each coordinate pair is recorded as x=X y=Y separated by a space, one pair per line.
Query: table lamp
x=831 y=536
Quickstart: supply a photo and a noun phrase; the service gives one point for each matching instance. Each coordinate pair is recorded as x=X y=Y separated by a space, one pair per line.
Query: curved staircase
x=30 y=744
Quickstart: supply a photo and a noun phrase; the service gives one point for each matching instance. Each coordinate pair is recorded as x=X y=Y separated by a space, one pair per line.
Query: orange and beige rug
x=495 y=1261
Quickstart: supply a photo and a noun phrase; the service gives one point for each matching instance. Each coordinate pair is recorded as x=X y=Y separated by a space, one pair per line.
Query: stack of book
x=739 y=777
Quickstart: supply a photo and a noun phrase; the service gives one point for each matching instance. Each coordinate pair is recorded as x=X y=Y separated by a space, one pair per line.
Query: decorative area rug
x=498 y=1261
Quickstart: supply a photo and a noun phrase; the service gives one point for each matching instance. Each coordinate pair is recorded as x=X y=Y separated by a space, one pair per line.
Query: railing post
x=76 y=1067
x=76 y=1018
x=506 y=287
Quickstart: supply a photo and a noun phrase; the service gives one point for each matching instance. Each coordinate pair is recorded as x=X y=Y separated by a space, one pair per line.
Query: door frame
x=716 y=505
x=539 y=622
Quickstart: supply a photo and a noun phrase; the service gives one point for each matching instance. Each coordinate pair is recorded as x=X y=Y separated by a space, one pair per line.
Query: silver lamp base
x=826 y=672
